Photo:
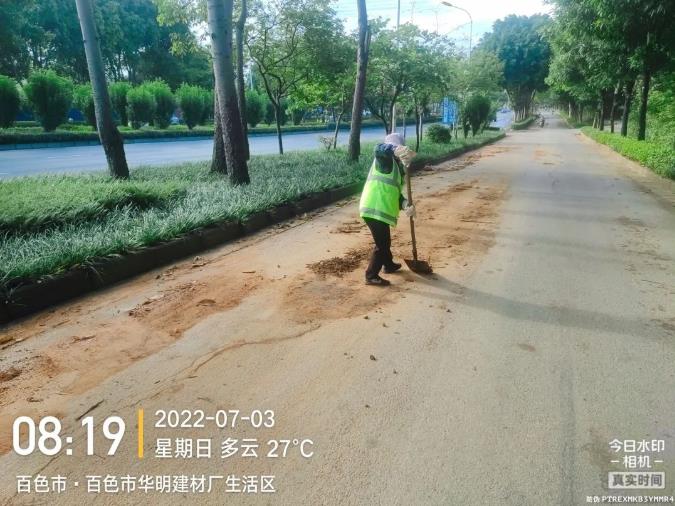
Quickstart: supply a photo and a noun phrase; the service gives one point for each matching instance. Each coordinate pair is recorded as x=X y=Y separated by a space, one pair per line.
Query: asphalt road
x=547 y=331
x=25 y=162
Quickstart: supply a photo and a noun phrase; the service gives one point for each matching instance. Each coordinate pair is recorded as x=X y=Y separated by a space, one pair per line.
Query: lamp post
x=448 y=4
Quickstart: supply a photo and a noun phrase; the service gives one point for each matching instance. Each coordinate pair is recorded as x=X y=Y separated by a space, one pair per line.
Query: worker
x=381 y=201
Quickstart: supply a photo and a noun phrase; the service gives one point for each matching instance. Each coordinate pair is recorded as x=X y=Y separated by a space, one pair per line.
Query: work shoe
x=390 y=269
x=377 y=281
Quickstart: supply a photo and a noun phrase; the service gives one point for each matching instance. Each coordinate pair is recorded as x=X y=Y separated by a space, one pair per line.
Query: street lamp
x=448 y=4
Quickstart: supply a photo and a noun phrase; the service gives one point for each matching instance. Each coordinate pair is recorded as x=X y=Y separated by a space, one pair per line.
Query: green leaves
x=10 y=101
x=659 y=157
x=50 y=97
x=520 y=43
x=194 y=101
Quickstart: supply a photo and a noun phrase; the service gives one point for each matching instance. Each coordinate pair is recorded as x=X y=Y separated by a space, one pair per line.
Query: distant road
x=26 y=162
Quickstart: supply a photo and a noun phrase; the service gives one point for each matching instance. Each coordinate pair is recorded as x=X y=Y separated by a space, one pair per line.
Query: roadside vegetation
x=657 y=156
x=51 y=223
x=280 y=66
x=612 y=74
x=523 y=124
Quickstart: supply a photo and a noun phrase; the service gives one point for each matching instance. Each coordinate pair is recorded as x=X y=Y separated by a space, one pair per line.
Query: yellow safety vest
x=380 y=196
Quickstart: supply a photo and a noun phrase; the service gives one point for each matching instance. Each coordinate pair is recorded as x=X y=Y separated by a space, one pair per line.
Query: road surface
x=26 y=162
x=547 y=331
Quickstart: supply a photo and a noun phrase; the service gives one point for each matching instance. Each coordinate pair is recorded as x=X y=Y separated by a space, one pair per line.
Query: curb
x=78 y=281
x=524 y=124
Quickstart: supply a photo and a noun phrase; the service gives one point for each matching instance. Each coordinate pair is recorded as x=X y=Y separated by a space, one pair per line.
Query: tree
x=623 y=39
x=519 y=42
x=118 y=97
x=192 y=104
x=83 y=99
x=111 y=140
x=476 y=114
x=140 y=106
x=395 y=62
x=14 y=57
x=194 y=14
x=430 y=77
x=218 y=161
x=10 y=101
x=360 y=85
x=329 y=86
x=165 y=103
x=220 y=31
x=254 y=107
x=241 y=85
x=50 y=97
x=286 y=42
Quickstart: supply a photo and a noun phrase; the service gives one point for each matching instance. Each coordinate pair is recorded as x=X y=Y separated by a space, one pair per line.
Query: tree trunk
x=392 y=119
x=601 y=111
x=421 y=126
x=337 y=128
x=218 y=162
x=612 y=111
x=417 y=129
x=642 y=114
x=277 y=118
x=359 y=88
x=110 y=137
x=220 y=28
x=627 y=101
x=241 y=85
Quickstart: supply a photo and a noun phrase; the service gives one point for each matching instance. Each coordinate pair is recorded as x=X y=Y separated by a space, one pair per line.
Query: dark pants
x=382 y=253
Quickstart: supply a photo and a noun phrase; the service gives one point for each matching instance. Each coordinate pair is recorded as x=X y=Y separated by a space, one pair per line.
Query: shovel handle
x=412 y=220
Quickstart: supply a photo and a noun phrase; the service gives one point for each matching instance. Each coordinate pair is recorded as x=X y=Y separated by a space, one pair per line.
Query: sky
x=433 y=16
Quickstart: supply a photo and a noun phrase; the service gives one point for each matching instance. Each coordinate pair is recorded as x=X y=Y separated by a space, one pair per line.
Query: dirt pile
x=339 y=266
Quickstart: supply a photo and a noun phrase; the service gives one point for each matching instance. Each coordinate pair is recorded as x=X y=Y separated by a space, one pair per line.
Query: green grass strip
x=53 y=223
x=656 y=156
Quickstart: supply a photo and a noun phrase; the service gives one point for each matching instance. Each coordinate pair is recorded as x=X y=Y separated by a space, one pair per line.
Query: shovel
x=415 y=265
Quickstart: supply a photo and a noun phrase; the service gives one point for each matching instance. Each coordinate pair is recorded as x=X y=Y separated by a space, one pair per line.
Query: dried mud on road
x=303 y=274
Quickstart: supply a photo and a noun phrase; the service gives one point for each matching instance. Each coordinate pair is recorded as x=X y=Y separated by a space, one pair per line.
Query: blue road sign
x=449 y=111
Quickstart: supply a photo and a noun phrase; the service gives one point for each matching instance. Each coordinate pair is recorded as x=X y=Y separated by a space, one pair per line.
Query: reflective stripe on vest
x=375 y=213
x=380 y=197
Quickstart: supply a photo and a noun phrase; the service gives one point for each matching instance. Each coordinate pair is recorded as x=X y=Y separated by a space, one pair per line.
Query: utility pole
x=393 y=110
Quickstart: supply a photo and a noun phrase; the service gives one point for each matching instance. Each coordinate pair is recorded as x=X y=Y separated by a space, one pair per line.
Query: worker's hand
x=410 y=211
x=405 y=154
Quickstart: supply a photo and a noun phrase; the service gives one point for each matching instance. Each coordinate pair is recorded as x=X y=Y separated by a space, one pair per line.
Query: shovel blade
x=419 y=266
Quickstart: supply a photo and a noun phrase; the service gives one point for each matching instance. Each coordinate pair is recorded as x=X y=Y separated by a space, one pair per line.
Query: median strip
x=49 y=267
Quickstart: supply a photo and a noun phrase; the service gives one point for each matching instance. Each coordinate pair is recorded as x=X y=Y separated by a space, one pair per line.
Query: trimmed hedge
x=192 y=101
x=523 y=124
x=140 y=106
x=439 y=134
x=660 y=158
x=83 y=99
x=165 y=103
x=50 y=97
